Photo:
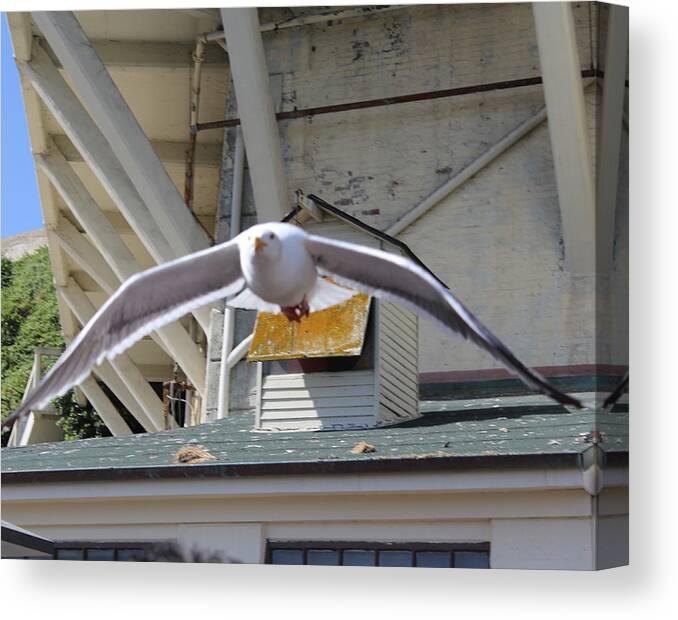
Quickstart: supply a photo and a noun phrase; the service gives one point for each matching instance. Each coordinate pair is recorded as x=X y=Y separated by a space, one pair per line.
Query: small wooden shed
x=364 y=375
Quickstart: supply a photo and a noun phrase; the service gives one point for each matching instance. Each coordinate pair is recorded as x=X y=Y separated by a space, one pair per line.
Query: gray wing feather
x=397 y=279
x=144 y=303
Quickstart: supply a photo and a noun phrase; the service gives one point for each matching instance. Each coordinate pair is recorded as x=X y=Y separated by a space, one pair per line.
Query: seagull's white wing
x=397 y=279
x=144 y=303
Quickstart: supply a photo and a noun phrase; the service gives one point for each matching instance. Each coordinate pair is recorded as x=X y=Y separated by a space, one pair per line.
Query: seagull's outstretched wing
x=144 y=303
x=397 y=279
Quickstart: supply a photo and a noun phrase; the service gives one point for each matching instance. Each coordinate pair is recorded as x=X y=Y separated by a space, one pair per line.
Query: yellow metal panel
x=338 y=331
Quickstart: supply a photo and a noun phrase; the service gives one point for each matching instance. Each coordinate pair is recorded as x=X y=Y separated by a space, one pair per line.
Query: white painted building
x=488 y=138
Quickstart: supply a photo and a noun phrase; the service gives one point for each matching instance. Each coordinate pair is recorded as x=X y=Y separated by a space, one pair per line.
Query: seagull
x=272 y=267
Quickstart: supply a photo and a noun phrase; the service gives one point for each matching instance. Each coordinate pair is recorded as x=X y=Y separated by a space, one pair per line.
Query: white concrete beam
x=563 y=90
x=256 y=111
x=22 y=38
x=154 y=55
x=104 y=408
x=609 y=146
x=124 y=134
x=150 y=412
x=96 y=151
x=76 y=245
x=173 y=337
x=207 y=154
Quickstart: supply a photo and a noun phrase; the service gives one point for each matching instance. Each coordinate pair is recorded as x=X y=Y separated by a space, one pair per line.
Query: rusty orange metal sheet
x=333 y=332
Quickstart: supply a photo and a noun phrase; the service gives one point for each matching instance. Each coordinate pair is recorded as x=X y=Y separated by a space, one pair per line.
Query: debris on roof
x=188 y=455
x=362 y=447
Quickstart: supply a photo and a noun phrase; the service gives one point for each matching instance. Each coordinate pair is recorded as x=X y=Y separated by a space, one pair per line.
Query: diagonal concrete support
x=568 y=128
x=76 y=245
x=91 y=143
x=150 y=414
x=104 y=408
x=174 y=337
x=257 y=114
x=121 y=129
x=611 y=126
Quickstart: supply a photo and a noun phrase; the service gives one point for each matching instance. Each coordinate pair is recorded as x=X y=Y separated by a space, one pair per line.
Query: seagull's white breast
x=284 y=272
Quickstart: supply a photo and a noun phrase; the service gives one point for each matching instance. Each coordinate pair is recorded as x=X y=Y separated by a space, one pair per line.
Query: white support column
x=609 y=146
x=256 y=111
x=86 y=256
x=124 y=134
x=104 y=408
x=95 y=150
x=150 y=404
x=174 y=337
x=563 y=90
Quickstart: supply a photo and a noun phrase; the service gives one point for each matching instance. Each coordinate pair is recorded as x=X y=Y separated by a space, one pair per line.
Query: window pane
x=395 y=558
x=70 y=554
x=287 y=556
x=472 y=559
x=433 y=559
x=101 y=555
x=322 y=557
x=358 y=557
x=129 y=555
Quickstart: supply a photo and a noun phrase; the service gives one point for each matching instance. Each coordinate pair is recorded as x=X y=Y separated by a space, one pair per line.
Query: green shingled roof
x=450 y=429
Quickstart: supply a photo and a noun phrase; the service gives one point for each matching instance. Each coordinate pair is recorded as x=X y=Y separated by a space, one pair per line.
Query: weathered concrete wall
x=497 y=241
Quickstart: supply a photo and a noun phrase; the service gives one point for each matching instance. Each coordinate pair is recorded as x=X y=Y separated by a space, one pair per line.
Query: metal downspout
x=229 y=314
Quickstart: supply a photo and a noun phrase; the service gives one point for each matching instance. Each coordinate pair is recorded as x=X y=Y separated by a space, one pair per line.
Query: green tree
x=30 y=318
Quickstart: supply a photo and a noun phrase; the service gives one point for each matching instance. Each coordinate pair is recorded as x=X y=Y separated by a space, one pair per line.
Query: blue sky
x=19 y=193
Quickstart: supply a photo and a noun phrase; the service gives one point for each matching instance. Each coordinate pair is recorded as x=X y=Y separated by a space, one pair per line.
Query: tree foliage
x=30 y=319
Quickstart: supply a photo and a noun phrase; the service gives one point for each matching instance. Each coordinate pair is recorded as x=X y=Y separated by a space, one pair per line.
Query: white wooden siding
x=320 y=400
x=397 y=363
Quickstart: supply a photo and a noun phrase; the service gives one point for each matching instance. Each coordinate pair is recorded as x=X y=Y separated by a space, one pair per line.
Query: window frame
x=84 y=545
x=342 y=545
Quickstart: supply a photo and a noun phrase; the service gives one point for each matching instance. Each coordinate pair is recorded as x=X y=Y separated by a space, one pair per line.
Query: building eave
x=295 y=468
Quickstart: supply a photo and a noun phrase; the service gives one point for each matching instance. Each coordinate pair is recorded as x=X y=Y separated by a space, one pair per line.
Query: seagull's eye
x=271 y=235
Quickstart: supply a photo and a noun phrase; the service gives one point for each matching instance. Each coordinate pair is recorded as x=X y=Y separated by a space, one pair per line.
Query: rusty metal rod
x=386 y=101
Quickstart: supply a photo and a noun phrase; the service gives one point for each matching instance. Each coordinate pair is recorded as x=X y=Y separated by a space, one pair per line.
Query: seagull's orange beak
x=258 y=244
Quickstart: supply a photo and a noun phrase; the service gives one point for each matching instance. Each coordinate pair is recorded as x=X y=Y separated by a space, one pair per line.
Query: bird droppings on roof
x=446 y=428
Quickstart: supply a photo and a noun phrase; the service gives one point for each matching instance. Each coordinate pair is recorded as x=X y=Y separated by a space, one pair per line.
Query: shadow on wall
x=171 y=552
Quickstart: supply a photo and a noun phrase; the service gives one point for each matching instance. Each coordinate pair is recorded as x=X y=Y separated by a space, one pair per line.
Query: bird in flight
x=273 y=267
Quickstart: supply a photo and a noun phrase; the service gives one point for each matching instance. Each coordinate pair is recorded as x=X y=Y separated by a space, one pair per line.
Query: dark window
x=101 y=552
x=322 y=557
x=287 y=556
x=434 y=559
x=101 y=555
x=359 y=557
x=395 y=558
x=70 y=554
x=471 y=559
x=344 y=553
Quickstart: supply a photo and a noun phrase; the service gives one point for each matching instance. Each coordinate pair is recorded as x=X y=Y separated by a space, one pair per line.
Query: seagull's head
x=264 y=243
